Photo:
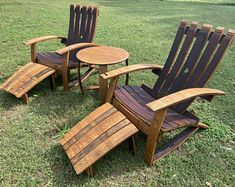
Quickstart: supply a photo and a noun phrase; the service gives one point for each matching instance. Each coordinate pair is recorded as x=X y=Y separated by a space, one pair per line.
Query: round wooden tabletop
x=102 y=55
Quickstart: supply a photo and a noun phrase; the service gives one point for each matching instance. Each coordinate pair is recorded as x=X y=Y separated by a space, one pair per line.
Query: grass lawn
x=29 y=151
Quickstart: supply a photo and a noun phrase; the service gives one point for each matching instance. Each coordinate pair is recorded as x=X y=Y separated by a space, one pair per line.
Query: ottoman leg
x=94 y=136
x=25 y=98
x=52 y=82
x=132 y=146
x=89 y=171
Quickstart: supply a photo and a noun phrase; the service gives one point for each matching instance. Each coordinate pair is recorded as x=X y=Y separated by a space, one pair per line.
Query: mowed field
x=30 y=154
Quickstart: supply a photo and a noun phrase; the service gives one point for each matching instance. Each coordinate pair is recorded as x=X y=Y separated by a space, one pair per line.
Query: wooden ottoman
x=26 y=78
x=95 y=135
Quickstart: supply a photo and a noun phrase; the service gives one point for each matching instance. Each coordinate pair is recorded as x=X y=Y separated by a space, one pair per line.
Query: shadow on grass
x=118 y=163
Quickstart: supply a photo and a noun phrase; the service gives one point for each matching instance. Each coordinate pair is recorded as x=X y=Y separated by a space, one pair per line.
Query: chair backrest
x=193 y=58
x=82 y=25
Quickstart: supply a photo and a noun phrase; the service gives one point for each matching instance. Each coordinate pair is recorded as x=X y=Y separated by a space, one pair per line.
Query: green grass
x=30 y=154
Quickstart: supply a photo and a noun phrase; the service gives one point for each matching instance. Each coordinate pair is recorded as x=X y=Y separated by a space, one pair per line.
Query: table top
x=102 y=55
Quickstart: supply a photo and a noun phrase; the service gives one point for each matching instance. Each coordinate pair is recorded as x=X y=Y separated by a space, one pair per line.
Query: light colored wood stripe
x=104 y=147
x=26 y=78
x=114 y=129
x=88 y=119
x=89 y=127
x=94 y=133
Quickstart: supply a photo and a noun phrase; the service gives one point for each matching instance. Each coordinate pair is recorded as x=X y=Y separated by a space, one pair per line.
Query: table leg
x=103 y=83
x=127 y=75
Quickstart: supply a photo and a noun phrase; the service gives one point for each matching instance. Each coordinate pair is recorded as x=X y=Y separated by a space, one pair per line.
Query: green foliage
x=30 y=153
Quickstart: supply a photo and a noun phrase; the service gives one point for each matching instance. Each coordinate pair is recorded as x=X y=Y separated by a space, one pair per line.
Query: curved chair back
x=82 y=25
x=193 y=58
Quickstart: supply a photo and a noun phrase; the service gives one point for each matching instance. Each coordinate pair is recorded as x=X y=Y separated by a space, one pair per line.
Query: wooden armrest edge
x=181 y=96
x=41 y=39
x=129 y=69
x=74 y=46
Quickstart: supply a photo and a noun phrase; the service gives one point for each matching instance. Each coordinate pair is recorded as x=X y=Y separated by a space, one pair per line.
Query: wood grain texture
x=54 y=60
x=74 y=46
x=102 y=55
x=95 y=135
x=172 y=55
x=129 y=69
x=103 y=84
x=180 y=96
x=134 y=99
x=26 y=78
x=41 y=39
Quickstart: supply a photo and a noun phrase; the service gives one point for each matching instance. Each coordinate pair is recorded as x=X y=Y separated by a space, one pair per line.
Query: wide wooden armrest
x=128 y=69
x=75 y=46
x=181 y=96
x=41 y=39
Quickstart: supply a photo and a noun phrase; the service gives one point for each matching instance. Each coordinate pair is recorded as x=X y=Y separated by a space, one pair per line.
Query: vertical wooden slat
x=217 y=58
x=171 y=57
x=93 y=26
x=205 y=58
x=88 y=24
x=71 y=26
x=192 y=59
x=179 y=61
x=77 y=23
x=83 y=23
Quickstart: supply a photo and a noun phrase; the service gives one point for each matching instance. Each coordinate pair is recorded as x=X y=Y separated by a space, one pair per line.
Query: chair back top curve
x=194 y=56
x=82 y=25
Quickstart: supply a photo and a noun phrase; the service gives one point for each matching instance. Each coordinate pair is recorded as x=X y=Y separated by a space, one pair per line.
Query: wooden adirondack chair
x=82 y=27
x=193 y=57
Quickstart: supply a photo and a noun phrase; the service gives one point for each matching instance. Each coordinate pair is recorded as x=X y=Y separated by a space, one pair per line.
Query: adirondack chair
x=81 y=31
x=193 y=58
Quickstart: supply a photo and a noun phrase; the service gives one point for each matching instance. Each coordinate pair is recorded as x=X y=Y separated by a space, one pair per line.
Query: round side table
x=103 y=56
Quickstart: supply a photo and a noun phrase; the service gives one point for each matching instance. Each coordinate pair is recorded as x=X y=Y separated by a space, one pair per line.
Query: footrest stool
x=26 y=78
x=95 y=135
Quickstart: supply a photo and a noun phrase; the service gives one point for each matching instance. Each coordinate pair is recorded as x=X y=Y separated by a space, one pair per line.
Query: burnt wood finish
x=82 y=25
x=194 y=56
x=95 y=135
x=26 y=78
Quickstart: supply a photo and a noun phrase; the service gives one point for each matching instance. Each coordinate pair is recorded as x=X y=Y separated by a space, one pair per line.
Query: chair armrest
x=128 y=69
x=43 y=38
x=75 y=46
x=181 y=96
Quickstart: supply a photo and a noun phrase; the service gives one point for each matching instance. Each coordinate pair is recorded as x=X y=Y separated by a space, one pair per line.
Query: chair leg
x=52 y=82
x=153 y=136
x=65 y=72
x=25 y=98
x=150 y=149
x=79 y=78
x=132 y=145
